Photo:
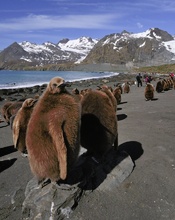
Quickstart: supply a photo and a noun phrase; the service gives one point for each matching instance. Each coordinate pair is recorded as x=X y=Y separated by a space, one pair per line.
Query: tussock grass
x=163 y=69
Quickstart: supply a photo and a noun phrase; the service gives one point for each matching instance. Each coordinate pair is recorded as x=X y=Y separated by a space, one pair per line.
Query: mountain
x=152 y=47
x=127 y=50
x=65 y=51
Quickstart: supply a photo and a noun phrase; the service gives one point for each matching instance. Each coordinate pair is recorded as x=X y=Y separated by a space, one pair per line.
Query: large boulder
x=57 y=201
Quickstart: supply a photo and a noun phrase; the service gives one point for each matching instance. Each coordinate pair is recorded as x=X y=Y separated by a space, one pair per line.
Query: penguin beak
x=34 y=101
x=65 y=84
x=99 y=87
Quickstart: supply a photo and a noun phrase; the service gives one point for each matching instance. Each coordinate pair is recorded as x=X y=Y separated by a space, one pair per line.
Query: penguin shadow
x=3 y=126
x=160 y=92
x=118 y=109
x=132 y=148
x=121 y=117
x=7 y=150
x=121 y=103
x=90 y=172
x=154 y=99
x=6 y=164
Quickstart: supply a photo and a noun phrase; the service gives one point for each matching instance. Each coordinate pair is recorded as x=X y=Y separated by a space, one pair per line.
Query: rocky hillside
x=30 y=54
x=153 y=47
x=115 y=51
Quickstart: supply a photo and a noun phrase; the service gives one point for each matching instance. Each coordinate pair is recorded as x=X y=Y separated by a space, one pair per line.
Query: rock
x=105 y=80
x=57 y=201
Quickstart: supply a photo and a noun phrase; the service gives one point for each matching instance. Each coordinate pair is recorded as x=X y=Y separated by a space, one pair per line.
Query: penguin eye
x=54 y=85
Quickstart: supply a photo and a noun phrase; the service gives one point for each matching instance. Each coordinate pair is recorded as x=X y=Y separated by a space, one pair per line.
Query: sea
x=20 y=79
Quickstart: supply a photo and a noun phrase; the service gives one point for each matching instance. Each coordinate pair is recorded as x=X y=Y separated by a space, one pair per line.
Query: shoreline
x=44 y=78
x=113 y=74
x=16 y=94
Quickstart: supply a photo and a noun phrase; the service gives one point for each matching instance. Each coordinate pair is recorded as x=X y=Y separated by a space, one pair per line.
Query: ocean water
x=21 y=79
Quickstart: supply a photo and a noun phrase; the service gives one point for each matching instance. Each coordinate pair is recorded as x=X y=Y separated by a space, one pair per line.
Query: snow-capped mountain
x=49 y=53
x=69 y=50
x=149 y=48
x=82 y=46
x=152 y=47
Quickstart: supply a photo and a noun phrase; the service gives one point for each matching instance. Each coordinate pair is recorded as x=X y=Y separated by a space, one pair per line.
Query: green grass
x=163 y=69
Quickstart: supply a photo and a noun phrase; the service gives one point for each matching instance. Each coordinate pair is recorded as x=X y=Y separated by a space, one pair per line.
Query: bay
x=20 y=79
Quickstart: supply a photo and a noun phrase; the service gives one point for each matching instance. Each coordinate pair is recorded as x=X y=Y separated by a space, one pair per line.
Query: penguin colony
x=53 y=127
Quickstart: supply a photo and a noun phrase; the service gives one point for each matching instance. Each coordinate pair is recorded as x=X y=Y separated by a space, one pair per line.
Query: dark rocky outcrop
x=57 y=201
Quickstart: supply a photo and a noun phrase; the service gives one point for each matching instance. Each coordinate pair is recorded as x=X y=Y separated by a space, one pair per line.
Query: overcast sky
x=39 y=21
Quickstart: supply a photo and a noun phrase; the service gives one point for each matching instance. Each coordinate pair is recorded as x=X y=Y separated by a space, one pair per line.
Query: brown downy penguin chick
x=84 y=91
x=20 y=123
x=12 y=110
x=159 y=86
x=117 y=94
x=4 y=109
x=149 y=91
x=165 y=85
x=77 y=94
x=98 y=123
x=126 y=87
x=168 y=84
x=52 y=138
x=119 y=85
x=173 y=83
x=109 y=93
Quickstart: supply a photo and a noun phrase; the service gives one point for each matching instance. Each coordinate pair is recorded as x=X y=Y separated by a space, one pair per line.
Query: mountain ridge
x=149 y=48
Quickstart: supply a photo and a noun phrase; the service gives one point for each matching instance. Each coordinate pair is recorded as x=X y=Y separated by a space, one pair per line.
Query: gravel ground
x=146 y=132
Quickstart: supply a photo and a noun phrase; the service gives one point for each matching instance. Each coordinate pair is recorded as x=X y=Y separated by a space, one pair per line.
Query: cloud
x=139 y=25
x=40 y=22
x=168 y=5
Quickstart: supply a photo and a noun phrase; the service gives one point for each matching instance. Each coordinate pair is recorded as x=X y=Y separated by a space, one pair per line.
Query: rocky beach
x=146 y=134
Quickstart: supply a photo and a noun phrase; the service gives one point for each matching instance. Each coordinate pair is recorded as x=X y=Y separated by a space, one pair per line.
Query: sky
x=40 y=21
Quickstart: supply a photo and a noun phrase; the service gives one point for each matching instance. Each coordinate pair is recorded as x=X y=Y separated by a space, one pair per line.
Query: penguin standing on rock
x=52 y=138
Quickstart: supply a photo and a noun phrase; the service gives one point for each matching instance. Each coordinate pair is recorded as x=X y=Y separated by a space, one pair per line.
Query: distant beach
x=21 y=79
x=21 y=93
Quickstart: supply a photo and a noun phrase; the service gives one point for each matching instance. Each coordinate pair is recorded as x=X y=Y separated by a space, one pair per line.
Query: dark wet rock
x=20 y=90
x=57 y=201
x=35 y=89
x=28 y=90
x=1 y=99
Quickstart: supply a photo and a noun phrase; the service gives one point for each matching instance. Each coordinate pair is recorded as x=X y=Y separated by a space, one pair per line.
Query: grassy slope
x=167 y=68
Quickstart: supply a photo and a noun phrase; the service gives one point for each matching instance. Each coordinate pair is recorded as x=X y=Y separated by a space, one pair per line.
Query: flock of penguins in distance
x=50 y=128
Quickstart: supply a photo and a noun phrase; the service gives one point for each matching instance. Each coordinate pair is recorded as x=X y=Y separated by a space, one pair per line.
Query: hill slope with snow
x=152 y=47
